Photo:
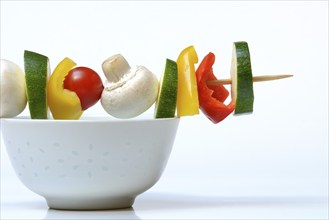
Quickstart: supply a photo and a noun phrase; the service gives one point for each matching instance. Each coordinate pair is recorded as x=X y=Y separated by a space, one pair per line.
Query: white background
x=270 y=164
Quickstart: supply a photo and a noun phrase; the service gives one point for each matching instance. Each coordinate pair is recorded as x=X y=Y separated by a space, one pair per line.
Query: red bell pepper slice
x=212 y=97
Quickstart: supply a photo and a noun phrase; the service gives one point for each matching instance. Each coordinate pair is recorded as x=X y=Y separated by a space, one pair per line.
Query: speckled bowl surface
x=89 y=164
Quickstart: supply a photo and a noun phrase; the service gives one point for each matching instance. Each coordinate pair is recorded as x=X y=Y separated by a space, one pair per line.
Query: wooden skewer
x=254 y=79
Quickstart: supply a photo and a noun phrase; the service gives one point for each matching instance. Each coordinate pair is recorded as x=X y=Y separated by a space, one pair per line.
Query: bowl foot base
x=90 y=204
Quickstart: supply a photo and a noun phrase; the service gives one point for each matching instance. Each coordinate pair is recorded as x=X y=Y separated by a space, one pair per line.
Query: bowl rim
x=88 y=119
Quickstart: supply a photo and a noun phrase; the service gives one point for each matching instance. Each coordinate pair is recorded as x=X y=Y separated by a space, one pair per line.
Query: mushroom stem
x=115 y=67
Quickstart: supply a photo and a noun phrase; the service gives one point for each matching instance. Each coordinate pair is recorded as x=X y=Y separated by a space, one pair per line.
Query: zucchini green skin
x=166 y=103
x=244 y=93
x=36 y=76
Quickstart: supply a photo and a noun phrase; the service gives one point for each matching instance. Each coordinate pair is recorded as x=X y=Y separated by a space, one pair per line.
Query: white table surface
x=272 y=164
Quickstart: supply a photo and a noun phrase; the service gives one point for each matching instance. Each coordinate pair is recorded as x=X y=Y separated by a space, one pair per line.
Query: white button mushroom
x=12 y=89
x=128 y=92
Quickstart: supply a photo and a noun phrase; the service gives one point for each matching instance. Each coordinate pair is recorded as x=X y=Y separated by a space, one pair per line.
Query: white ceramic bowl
x=89 y=164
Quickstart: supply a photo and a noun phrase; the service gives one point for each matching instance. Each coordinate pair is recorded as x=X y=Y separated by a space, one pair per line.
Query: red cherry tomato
x=86 y=83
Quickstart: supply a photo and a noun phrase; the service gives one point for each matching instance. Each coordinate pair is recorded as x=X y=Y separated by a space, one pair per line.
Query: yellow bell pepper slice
x=63 y=103
x=187 y=92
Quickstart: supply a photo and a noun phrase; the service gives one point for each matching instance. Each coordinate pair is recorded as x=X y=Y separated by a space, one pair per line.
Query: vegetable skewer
x=254 y=79
x=186 y=90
